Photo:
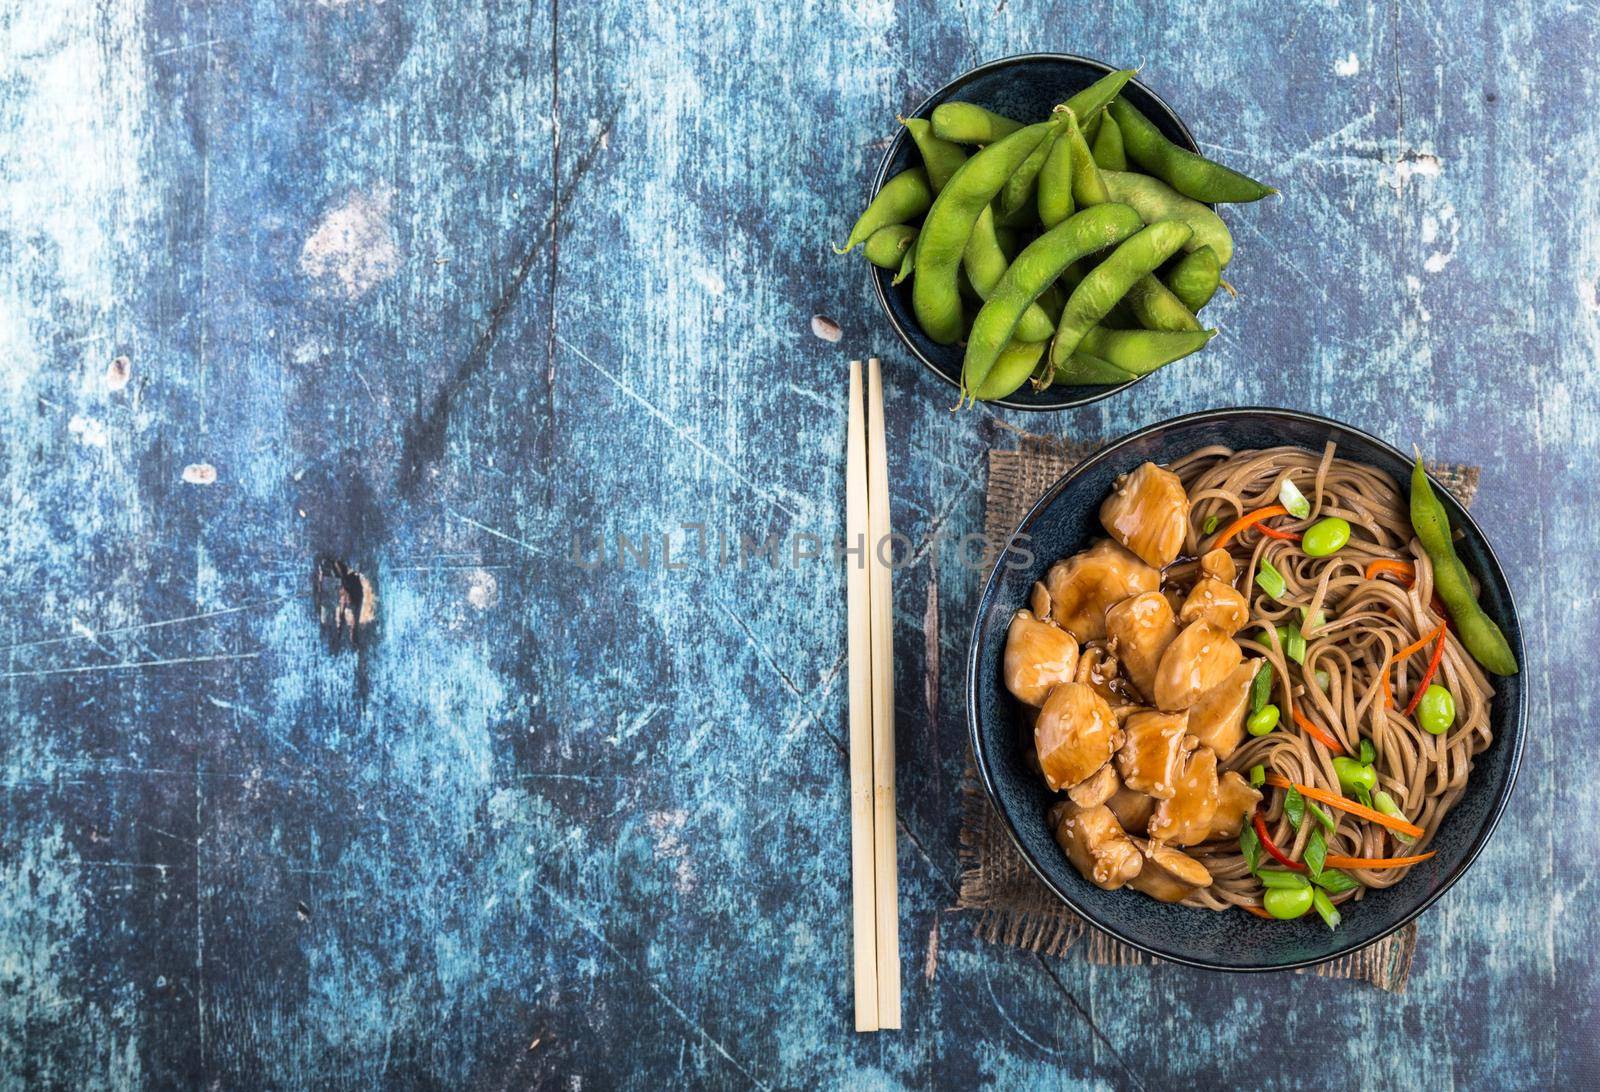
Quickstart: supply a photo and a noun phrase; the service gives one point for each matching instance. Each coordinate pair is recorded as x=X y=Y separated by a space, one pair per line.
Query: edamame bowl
x=1025 y=86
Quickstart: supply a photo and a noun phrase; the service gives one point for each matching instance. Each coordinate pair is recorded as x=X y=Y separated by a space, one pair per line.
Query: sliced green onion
x=1368 y=752
x=1325 y=908
x=1211 y=524
x=1290 y=497
x=1250 y=847
x=1321 y=816
x=1261 y=686
x=1293 y=642
x=1335 y=882
x=1364 y=796
x=1307 y=622
x=1270 y=580
x=1294 y=806
x=1282 y=878
x=1324 y=680
x=1316 y=853
x=1384 y=803
x=1258 y=776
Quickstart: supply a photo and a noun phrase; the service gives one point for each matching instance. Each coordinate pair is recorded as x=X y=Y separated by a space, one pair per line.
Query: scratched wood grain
x=323 y=329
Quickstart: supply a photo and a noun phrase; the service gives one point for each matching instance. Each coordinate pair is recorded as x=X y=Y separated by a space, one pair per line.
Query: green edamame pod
x=969 y=123
x=1083 y=370
x=1017 y=194
x=1011 y=370
x=1109 y=281
x=1108 y=152
x=1190 y=174
x=935 y=297
x=1155 y=201
x=904 y=197
x=1087 y=104
x=985 y=263
x=1477 y=631
x=886 y=248
x=1088 y=188
x=1035 y=269
x=1156 y=308
x=1055 y=183
x=1194 y=278
x=906 y=264
x=1142 y=351
x=940 y=158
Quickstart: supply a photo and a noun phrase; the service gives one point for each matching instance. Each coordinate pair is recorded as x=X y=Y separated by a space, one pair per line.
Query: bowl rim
x=880 y=277
x=1518 y=715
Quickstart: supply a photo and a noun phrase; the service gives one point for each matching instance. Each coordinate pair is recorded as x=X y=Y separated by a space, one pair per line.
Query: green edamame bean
x=1087 y=104
x=1263 y=720
x=904 y=197
x=1287 y=903
x=1088 y=188
x=886 y=248
x=1109 y=281
x=1108 y=151
x=1353 y=776
x=1325 y=537
x=1194 y=278
x=1011 y=370
x=969 y=123
x=1039 y=264
x=1436 y=712
x=1018 y=193
x=1155 y=201
x=1156 y=308
x=935 y=295
x=1142 y=351
x=1479 y=634
x=1190 y=174
x=940 y=158
x=1055 y=184
x=1084 y=370
x=985 y=263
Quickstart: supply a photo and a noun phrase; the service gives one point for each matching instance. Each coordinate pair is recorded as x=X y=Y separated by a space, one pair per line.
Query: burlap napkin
x=1013 y=906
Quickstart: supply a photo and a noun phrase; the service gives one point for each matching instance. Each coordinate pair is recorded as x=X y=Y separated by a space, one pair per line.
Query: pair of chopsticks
x=874 y=881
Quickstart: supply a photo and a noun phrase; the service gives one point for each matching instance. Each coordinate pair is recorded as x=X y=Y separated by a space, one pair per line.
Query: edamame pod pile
x=990 y=227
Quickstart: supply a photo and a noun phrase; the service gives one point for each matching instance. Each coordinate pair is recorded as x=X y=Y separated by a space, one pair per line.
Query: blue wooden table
x=334 y=336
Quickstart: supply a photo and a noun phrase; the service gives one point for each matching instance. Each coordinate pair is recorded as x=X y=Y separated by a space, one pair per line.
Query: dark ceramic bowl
x=1062 y=522
x=1025 y=87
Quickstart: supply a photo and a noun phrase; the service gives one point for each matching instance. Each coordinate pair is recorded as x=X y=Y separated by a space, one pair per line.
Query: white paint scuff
x=353 y=246
x=89 y=431
x=1347 y=66
x=200 y=474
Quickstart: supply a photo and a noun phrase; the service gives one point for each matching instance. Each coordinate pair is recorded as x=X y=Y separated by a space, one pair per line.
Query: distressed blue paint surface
x=428 y=286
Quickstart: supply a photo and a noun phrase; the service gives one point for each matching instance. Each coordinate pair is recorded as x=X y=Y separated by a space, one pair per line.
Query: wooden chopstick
x=882 y=614
x=863 y=872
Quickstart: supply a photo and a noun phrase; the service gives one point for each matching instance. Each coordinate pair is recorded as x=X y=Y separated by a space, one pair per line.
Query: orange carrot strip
x=1321 y=735
x=1334 y=800
x=1406 y=571
x=1417 y=646
x=1427 y=676
x=1256 y=910
x=1246 y=521
x=1335 y=861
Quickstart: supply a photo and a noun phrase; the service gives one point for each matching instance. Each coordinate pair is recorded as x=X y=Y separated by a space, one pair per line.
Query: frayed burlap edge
x=1013 y=907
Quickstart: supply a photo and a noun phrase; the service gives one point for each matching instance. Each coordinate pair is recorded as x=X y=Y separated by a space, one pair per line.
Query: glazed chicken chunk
x=1199 y=658
x=1082 y=588
x=1235 y=801
x=1075 y=735
x=1218 y=565
x=1152 y=752
x=1217 y=719
x=1096 y=845
x=1141 y=627
x=1220 y=604
x=1038 y=657
x=1185 y=819
x=1148 y=512
x=1169 y=875
x=1097 y=788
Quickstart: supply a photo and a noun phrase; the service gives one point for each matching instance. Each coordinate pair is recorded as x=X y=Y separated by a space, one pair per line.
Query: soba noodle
x=1364 y=622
